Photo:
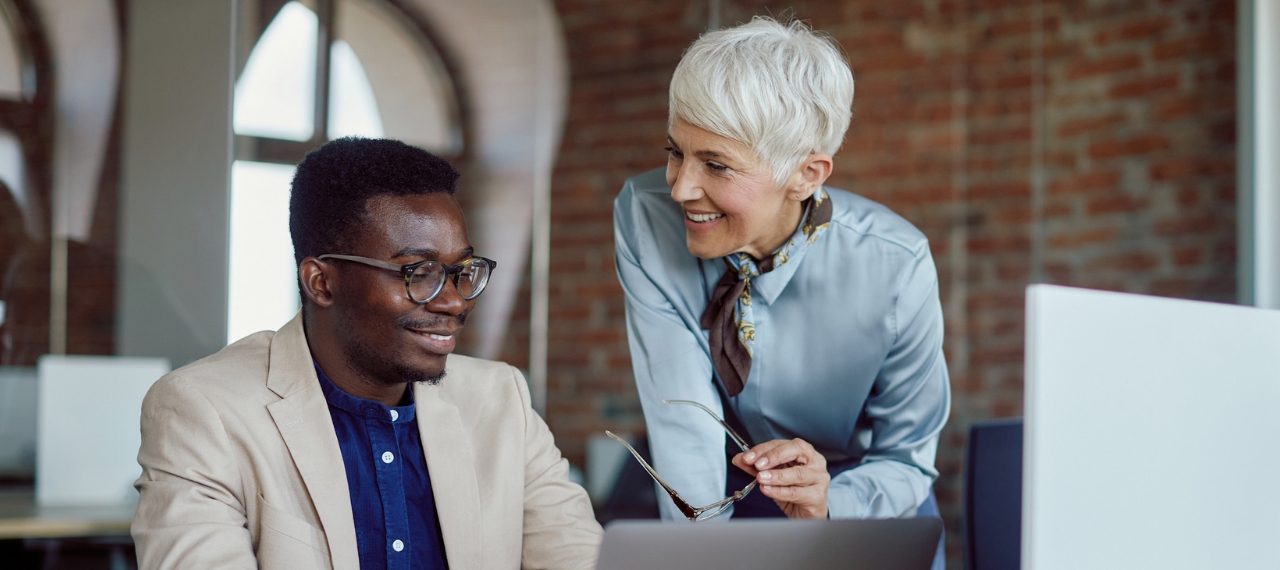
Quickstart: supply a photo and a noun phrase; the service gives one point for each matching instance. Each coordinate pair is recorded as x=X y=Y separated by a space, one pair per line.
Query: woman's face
x=730 y=201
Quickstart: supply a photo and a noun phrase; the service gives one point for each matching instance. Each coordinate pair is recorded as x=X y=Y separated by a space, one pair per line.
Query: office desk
x=20 y=518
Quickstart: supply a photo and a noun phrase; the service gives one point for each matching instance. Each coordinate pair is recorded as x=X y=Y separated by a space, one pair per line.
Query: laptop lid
x=778 y=544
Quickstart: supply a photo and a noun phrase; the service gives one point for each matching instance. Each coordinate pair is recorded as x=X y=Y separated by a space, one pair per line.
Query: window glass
x=12 y=166
x=10 y=64
x=263 y=291
x=275 y=96
x=353 y=109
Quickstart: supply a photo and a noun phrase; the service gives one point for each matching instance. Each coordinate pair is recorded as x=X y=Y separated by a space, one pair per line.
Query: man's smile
x=440 y=341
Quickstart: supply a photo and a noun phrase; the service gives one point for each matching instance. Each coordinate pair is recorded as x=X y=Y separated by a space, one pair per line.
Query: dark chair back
x=993 y=496
x=634 y=495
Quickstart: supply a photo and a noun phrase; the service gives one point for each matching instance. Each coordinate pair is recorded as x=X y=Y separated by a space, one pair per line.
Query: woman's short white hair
x=783 y=90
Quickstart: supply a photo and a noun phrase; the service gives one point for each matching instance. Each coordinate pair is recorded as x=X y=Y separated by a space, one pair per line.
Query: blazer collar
x=302 y=416
x=446 y=442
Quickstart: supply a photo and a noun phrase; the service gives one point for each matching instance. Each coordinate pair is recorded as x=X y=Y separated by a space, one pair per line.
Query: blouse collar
x=769 y=279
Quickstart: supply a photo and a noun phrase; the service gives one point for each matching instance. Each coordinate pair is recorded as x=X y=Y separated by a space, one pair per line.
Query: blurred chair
x=87 y=436
x=993 y=496
x=634 y=495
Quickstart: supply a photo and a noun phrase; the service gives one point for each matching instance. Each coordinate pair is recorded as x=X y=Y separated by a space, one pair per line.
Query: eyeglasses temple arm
x=742 y=443
x=364 y=260
x=644 y=464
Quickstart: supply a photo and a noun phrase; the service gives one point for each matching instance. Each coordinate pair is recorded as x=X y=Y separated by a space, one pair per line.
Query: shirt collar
x=361 y=407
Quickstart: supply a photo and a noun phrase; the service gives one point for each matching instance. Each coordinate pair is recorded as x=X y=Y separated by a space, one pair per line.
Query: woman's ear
x=316 y=279
x=810 y=176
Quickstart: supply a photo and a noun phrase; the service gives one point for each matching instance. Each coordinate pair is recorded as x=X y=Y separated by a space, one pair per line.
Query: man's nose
x=449 y=301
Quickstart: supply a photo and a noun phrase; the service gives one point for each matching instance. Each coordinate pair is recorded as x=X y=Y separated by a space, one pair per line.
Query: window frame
x=280 y=151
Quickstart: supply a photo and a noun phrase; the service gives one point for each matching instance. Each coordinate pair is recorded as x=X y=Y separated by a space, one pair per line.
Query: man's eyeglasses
x=425 y=279
x=695 y=514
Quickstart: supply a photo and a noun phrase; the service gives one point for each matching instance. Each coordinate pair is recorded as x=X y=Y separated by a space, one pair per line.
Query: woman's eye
x=674 y=153
x=716 y=166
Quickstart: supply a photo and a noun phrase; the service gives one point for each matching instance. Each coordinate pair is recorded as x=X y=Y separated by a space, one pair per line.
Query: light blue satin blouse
x=847 y=351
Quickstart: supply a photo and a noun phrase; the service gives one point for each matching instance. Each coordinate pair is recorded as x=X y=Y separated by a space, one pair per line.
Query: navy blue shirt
x=391 y=499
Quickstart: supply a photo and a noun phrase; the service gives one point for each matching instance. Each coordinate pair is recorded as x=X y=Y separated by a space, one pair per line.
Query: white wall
x=174 y=187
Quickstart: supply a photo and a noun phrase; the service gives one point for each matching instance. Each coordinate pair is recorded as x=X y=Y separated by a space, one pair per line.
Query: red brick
x=1085 y=182
x=1084 y=125
x=1001 y=136
x=1106 y=66
x=1011 y=28
x=1181 y=168
x=1199 y=46
x=1144 y=87
x=1127 y=262
x=1015 y=189
x=1191 y=225
x=1003 y=244
x=1115 y=203
x=1188 y=198
x=1002 y=356
x=610 y=288
x=1077 y=238
x=1142 y=30
x=1128 y=147
x=1188 y=256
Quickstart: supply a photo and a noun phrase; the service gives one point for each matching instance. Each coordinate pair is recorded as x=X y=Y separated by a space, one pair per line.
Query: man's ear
x=317 y=279
x=810 y=176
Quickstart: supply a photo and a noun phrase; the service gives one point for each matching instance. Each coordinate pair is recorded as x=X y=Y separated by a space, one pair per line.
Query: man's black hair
x=334 y=182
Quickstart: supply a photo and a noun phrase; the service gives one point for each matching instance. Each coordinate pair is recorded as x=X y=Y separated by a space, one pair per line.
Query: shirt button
x=397 y=546
x=387 y=457
x=395 y=415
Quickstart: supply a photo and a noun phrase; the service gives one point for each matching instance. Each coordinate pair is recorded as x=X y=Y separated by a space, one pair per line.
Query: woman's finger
x=806 y=498
x=751 y=455
x=797 y=450
x=741 y=463
x=746 y=459
x=799 y=476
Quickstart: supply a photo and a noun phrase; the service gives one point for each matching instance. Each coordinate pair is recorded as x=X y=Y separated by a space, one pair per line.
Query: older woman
x=808 y=316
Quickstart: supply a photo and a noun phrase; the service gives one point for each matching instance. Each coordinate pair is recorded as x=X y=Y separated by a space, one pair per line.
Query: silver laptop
x=778 y=544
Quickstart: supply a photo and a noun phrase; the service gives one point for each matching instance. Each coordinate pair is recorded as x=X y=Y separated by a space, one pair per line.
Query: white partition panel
x=1152 y=433
x=88 y=423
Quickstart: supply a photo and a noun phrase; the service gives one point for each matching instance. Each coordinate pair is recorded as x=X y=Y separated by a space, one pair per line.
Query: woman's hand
x=792 y=473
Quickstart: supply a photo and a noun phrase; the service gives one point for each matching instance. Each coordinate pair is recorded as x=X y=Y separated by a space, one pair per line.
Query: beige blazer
x=241 y=468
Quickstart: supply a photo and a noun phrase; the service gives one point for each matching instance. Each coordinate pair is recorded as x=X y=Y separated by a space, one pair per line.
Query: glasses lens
x=473 y=277
x=425 y=282
x=713 y=513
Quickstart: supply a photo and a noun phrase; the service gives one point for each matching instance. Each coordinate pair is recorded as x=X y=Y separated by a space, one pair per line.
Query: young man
x=350 y=438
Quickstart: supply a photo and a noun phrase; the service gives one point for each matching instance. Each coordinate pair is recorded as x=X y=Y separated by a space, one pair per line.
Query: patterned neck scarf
x=728 y=313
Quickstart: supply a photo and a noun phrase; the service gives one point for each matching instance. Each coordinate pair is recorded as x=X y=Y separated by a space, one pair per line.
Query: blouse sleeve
x=907 y=407
x=669 y=361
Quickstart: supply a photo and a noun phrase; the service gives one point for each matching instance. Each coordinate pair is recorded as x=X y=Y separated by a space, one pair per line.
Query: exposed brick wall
x=1080 y=143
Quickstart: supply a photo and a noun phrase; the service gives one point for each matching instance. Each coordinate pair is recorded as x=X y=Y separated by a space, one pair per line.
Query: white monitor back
x=1152 y=433
x=88 y=430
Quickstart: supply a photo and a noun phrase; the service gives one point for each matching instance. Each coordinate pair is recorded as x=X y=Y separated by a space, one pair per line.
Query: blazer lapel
x=451 y=464
x=302 y=416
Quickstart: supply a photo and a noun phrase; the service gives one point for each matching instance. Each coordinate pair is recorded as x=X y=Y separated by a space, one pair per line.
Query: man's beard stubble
x=363 y=356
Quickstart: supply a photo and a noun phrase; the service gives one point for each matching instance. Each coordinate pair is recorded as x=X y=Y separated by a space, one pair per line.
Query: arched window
x=320 y=70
